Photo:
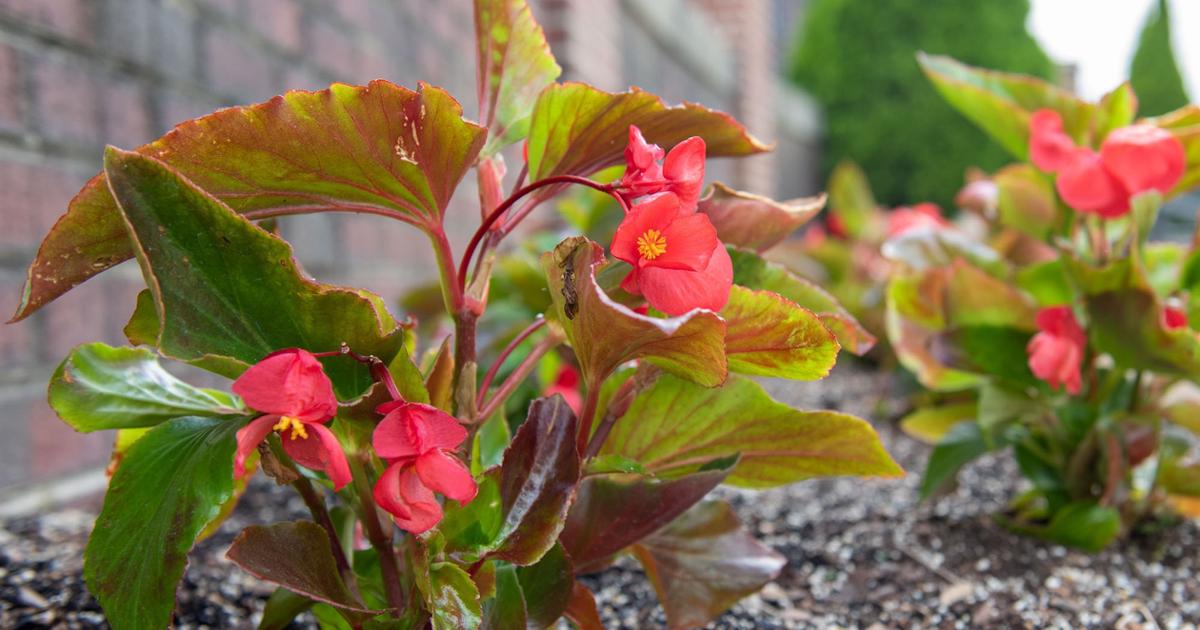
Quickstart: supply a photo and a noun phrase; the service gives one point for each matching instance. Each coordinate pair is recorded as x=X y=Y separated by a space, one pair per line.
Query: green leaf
x=454 y=600
x=490 y=441
x=440 y=380
x=603 y=464
x=751 y=271
x=577 y=129
x=747 y=220
x=778 y=444
x=515 y=64
x=507 y=609
x=1085 y=525
x=703 y=563
x=851 y=200
x=537 y=481
x=1025 y=200
x=930 y=424
x=614 y=511
x=281 y=608
x=605 y=334
x=963 y=443
x=222 y=287
x=1000 y=103
x=171 y=483
x=101 y=387
x=1116 y=109
x=471 y=529
x=299 y=557
x=1047 y=282
x=379 y=149
x=769 y=335
x=547 y=586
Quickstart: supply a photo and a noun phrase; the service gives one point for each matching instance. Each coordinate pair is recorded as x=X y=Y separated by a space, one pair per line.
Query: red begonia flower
x=417 y=440
x=921 y=215
x=1173 y=318
x=1087 y=186
x=836 y=226
x=678 y=262
x=1143 y=158
x=292 y=391
x=567 y=386
x=682 y=172
x=1056 y=351
x=1050 y=149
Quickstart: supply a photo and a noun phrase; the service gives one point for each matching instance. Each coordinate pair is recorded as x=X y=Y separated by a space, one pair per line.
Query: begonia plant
x=1060 y=332
x=619 y=391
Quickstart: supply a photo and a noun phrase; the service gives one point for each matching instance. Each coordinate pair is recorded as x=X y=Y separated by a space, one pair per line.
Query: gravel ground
x=861 y=554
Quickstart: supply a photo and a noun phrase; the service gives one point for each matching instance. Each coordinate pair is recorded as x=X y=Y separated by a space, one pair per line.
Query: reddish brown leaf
x=581 y=610
x=747 y=220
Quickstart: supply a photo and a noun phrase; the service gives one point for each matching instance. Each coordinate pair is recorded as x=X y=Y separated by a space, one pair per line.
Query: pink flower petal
x=289 y=382
x=444 y=473
x=248 y=439
x=675 y=291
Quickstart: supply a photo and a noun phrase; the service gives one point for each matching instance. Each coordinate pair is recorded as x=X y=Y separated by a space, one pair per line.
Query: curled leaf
x=747 y=220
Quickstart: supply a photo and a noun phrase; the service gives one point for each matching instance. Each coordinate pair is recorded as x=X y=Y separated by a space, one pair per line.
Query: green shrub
x=857 y=59
x=1153 y=72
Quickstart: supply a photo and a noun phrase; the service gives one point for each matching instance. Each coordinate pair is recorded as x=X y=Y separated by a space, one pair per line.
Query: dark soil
x=861 y=553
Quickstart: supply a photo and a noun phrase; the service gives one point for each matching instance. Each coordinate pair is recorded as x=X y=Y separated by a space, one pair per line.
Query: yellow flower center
x=652 y=244
x=297 y=427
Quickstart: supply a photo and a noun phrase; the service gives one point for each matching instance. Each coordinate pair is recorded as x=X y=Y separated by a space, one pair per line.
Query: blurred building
x=78 y=74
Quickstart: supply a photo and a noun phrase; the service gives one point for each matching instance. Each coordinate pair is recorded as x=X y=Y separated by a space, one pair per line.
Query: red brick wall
x=77 y=74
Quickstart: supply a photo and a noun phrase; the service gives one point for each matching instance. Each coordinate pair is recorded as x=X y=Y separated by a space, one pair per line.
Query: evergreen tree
x=857 y=58
x=1153 y=72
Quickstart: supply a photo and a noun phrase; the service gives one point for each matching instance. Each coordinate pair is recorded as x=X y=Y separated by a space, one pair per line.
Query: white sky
x=1099 y=37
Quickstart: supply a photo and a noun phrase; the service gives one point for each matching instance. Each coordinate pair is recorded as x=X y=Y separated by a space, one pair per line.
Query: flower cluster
x=1056 y=351
x=1132 y=160
x=679 y=264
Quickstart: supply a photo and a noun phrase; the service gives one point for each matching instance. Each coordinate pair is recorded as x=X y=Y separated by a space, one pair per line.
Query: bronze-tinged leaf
x=297 y=556
x=703 y=563
x=582 y=611
x=751 y=271
x=514 y=64
x=769 y=335
x=223 y=288
x=614 y=511
x=379 y=148
x=674 y=425
x=546 y=585
x=537 y=481
x=747 y=220
x=577 y=129
x=440 y=380
x=605 y=334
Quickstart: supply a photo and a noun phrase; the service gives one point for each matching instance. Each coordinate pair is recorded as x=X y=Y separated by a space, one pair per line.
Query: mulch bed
x=861 y=553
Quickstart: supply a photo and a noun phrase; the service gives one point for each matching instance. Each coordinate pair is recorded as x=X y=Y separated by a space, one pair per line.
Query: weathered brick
x=277 y=20
x=127 y=121
x=96 y=310
x=334 y=50
x=17 y=343
x=236 y=67
x=11 y=90
x=178 y=107
x=74 y=19
x=125 y=26
x=173 y=37
x=56 y=448
x=15 y=455
x=67 y=104
x=32 y=197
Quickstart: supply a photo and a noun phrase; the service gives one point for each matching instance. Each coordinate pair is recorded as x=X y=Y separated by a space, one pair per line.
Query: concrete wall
x=78 y=74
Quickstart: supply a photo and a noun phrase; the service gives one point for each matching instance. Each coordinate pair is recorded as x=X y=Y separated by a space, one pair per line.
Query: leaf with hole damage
x=299 y=557
x=514 y=65
x=577 y=129
x=170 y=484
x=769 y=335
x=537 y=481
x=222 y=287
x=605 y=334
x=639 y=504
x=751 y=271
x=380 y=148
x=747 y=220
x=705 y=562
x=674 y=424
x=100 y=387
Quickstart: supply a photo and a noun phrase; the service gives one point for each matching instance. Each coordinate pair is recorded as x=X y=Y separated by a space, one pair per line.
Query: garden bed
x=859 y=553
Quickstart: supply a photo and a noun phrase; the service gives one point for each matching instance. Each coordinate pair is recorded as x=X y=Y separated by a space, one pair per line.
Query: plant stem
x=519 y=373
x=504 y=354
x=316 y=506
x=379 y=539
x=616 y=407
x=590 y=400
x=469 y=253
x=452 y=286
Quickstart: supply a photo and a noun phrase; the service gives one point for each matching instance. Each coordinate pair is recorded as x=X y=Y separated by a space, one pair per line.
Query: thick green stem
x=380 y=540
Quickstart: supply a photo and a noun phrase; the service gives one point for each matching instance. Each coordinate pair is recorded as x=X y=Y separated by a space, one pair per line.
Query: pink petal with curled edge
x=289 y=382
x=1144 y=157
x=444 y=473
x=412 y=505
x=415 y=428
x=248 y=439
x=319 y=451
x=675 y=291
x=684 y=169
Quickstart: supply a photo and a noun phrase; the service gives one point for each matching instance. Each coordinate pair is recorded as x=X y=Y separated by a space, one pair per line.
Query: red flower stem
x=521 y=175
x=453 y=284
x=316 y=506
x=380 y=540
x=496 y=214
x=504 y=354
x=519 y=374
x=591 y=399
